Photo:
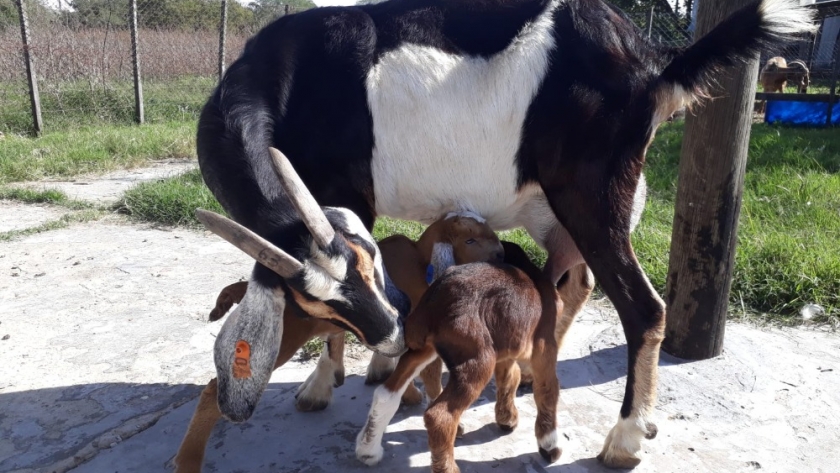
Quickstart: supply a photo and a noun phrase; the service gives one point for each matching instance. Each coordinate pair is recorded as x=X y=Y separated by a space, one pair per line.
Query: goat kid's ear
x=307 y=207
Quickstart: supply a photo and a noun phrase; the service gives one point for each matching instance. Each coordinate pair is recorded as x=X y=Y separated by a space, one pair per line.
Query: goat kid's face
x=473 y=241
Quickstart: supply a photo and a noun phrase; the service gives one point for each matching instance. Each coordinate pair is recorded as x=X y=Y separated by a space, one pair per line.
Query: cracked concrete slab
x=108 y=188
x=108 y=349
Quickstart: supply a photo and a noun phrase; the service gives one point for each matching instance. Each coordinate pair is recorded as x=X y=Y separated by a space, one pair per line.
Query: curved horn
x=254 y=245
x=308 y=209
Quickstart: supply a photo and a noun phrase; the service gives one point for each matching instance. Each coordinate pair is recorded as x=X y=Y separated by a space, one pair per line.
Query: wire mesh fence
x=83 y=61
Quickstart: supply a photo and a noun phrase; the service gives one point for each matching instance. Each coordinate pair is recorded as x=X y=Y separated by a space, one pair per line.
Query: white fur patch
x=549 y=441
x=393 y=344
x=625 y=438
x=443 y=257
x=335 y=266
x=471 y=111
x=466 y=213
x=320 y=284
x=385 y=404
x=318 y=386
x=786 y=17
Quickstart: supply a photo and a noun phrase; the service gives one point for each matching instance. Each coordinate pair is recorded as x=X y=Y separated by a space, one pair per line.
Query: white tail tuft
x=786 y=17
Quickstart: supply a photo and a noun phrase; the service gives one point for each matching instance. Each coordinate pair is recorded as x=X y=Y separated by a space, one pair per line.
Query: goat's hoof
x=552 y=455
x=339 y=378
x=627 y=461
x=652 y=430
x=184 y=465
x=459 y=434
x=311 y=405
x=412 y=396
x=370 y=455
x=509 y=427
x=377 y=377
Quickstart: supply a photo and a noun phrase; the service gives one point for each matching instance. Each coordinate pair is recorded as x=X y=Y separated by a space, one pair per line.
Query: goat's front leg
x=386 y=400
x=379 y=368
x=315 y=393
x=190 y=454
x=507 y=380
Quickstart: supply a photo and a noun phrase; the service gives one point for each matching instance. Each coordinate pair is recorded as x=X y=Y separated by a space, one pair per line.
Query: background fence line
x=86 y=61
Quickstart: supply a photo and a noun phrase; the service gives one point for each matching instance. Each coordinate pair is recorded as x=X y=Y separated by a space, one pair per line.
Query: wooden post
x=650 y=21
x=222 y=33
x=135 y=60
x=835 y=75
x=34 y=96
x=711 y=181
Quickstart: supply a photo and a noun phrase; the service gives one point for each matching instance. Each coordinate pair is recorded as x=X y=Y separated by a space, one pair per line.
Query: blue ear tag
x=430 y=274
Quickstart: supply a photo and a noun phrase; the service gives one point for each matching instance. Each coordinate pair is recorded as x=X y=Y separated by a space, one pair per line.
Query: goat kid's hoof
x=377 y=376
x=305 y=404
x=370 y=455
x=552 y=455
x=412 y=396
x=339 y=379
x=508 y=427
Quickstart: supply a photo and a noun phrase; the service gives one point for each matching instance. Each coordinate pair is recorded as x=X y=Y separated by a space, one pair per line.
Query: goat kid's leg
x=466 y=382
x=546 y=395
x=315 y=393
x=602 y=234
x=379 y=368
x=507 y=380
x=431 y=377
x=190 y=456
x=386 y=401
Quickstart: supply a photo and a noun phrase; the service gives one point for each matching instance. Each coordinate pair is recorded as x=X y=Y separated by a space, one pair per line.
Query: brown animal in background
x=480 y=318
x=776 y=74
x=451 y=240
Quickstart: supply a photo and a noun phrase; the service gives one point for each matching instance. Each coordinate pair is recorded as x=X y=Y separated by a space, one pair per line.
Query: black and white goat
x=533 y=113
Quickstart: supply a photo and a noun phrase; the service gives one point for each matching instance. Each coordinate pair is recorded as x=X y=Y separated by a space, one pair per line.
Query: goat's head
x=460 y=239
x=333 y=271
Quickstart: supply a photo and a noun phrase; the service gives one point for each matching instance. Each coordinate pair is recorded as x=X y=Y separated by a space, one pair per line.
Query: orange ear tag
x=242 y=360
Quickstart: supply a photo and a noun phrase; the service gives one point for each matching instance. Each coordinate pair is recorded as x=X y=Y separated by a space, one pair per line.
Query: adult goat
x=533 y=113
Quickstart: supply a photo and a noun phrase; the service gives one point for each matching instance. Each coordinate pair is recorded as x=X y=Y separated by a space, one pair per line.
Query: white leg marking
x=549 y=441
x=624 y=442
x=385 y=404
x=316 y=392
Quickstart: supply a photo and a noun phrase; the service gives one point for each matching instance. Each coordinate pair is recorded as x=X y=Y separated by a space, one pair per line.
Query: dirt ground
x=108 y=347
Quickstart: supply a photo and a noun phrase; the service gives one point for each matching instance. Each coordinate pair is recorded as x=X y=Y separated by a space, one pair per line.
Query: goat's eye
x=470 y=241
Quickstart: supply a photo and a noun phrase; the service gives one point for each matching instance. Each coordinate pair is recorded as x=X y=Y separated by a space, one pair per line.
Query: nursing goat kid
x=481 y=319
x=456 y=239
x=532 y=113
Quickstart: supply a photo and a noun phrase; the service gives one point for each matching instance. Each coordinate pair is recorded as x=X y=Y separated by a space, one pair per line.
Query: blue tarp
x=800 y=113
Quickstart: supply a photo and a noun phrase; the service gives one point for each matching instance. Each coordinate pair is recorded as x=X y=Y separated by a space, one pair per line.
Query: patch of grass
x=92 y=149
x=170 y=201
x=46 y=196
x=62 y=222
x=789 y=234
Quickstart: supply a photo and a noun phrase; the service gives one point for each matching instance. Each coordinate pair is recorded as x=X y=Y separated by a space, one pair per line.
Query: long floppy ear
x=303 y=201
x=254 y=245
x=443 y=256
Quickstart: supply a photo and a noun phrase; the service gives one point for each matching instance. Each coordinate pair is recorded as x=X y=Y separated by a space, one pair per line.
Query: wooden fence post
x=650 y=21
x=34 y=96
x=135 y=60
x=711 y=181
x=222 y=33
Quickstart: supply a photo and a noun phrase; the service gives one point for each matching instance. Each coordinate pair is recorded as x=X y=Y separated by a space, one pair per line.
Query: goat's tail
x=753 y=28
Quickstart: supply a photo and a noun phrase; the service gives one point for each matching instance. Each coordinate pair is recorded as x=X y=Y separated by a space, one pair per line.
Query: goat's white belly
x=447 y=128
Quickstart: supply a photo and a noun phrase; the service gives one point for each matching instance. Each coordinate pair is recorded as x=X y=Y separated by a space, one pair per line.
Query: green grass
x=789 y=232
x=72 y=105
x=169 y=201
x=64 y=221
x=92 y=149
x=47 y=196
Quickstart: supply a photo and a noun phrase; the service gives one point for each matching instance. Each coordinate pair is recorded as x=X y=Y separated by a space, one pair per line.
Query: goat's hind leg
x=602 y=233
x=386 y=401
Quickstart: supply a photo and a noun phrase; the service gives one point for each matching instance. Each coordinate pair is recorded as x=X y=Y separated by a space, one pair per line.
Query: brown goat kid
x=480 y=319
x=451 y=240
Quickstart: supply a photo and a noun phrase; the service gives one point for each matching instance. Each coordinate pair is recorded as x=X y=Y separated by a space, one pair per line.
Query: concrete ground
x=108 y=347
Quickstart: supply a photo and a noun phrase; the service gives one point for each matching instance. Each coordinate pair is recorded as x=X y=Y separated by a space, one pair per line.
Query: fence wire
x=83 y=55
